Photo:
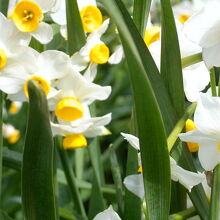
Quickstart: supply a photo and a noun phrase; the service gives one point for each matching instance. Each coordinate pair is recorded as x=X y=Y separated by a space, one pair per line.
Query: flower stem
x=184 y=214
x=179 y=126
x=1 y=140
x=71 y=180
x=213 y=82
x=190 y=60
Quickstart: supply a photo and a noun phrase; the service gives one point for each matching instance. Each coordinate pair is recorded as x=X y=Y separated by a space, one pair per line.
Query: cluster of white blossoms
x=69 y=92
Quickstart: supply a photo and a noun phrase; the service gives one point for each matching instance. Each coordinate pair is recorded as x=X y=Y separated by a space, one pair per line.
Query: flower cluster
x=69 y=92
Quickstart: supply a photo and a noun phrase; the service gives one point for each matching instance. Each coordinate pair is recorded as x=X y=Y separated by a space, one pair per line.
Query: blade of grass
x=156 y=168
x=75 y=32
x=185 y=214
x=37 y=168
x=140 y=14
x=117 y=180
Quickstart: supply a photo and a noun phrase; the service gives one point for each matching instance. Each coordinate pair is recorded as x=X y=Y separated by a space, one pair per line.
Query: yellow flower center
x=140 y=170
x=69 y=109
x=152 y=34
x=219 y=147
x=14 y=137
x=183 y=18
x=190 y=125
x=41 y=82
x=99 y=54
x=14 y=108
x=91 y=18
x=27 y=16
x=73 y=141
x=3 y=59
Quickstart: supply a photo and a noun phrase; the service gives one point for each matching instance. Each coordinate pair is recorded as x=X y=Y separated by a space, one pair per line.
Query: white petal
x=79 y=62
x=10 y=85
x=55 y=64
x=83 y=3
x=209 y=156
x=45 y=5
x=211 y=56
x=63 y=31
x=108 y=214
x=91 y=72
x=207 y=114
x=19 y=96
x=195 y=79
x=96 y=131
x=44 y=34
x=186 y=178
x=117 y=56
x=135 y=184
x=132 y=140
x=59 y=16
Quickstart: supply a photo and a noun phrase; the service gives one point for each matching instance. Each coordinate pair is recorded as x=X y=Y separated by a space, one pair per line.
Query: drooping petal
x=108 y=214
x=132 y=140
x=186 y=178
x=209 y=155
x=44 y=33
x=135 y=184
x=117 y=56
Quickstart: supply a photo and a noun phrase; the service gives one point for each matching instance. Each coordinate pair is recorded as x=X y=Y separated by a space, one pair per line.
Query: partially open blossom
x=27 y=16
x=10 y=133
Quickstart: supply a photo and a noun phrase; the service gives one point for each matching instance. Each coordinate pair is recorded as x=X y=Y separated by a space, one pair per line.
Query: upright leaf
x=154 y=153
x=37 y=168
x=75 y=32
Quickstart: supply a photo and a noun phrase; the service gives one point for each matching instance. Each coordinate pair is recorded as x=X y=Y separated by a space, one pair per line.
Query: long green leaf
x=75 y=32
x=171 y=69
x=4 y=6
x=140 y=14
x=214 y=213
x=155 y=160
x=12 y=159
x=1 y=140
x=37 y=168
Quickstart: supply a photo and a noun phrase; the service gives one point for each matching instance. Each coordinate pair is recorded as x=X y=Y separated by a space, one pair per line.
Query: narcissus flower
x=207 y=132
x=135 y=184
x=76 y=132
x=91 y=16
x=15 y=107
x=108 y=214
x=75 y=91
x=203 y=28
x=10 y=133
x=27 y=16
x=13 y=44
x=40 y=67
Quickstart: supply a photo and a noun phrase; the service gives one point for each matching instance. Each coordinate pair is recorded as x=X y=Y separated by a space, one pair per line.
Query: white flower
x=90 y=15
x=27 y=16
x=10 y=133
x=74 y=92
x=135 y=183
x=203 y=28
x=108 y=214
x=86 y=126
x=207 y=133
x=40 y=67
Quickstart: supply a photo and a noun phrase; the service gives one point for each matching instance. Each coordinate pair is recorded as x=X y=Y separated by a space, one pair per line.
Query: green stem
x=184 y=214
x=1 y=140
x=214 y=212
x=179 y=126
x=71 y=180
x=213 y=82
x=190 y=60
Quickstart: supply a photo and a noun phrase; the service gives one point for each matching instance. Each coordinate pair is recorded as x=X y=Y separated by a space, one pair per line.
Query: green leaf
x=117 y=180
x=190 y=60
x=35 y=44
x=4 y=216
x=76 y=36
x=214 y=212
x=185 y=214
x=12 y=159
x=171 y=69
x=37 y=168
x=140 y=14
x=1 y=139
x=4 y=6
x=155 y=160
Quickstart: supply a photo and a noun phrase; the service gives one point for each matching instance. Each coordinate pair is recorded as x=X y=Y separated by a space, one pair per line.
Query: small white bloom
x=27 y=16
x=108 y=214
